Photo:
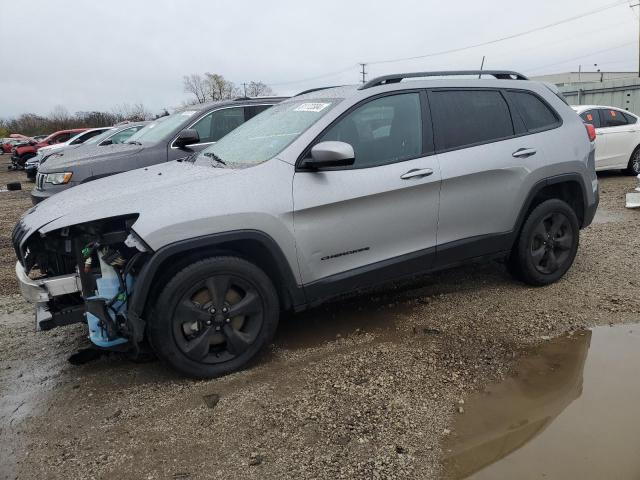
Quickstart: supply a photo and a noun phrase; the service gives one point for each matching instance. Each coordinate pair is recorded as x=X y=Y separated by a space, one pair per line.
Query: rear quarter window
x=535 y=113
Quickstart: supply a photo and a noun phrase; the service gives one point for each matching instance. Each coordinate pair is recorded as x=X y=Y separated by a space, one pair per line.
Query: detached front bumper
x=42 y=290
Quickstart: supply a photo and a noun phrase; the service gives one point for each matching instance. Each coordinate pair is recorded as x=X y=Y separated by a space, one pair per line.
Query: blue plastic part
x=98 y=335
x=106 y=290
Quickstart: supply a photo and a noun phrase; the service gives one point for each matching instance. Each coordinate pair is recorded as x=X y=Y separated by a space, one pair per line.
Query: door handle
x=524 y=152
x=417 y=173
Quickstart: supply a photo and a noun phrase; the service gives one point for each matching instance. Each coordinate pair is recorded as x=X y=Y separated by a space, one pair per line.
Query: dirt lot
x=365 y=388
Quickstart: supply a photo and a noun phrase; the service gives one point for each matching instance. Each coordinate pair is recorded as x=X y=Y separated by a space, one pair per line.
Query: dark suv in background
x=173 y=137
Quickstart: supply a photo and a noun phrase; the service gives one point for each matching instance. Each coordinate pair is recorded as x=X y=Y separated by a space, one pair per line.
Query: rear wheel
x=634 y=163
x=547 y=245
x=214 y=316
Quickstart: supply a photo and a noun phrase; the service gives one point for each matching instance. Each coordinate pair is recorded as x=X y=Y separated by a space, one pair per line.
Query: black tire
x=547 y=244
x=204 y=341
x=634 y=163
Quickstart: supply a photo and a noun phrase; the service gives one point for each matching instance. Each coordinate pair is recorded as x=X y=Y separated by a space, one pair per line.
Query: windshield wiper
x=134 y=143
x=214 y=157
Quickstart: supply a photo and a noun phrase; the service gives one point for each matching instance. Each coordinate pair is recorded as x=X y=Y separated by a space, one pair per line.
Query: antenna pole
x=481 y=67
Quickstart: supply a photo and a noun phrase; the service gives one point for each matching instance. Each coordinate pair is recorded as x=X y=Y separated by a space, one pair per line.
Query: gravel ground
x=363 y=388
x=12 y=205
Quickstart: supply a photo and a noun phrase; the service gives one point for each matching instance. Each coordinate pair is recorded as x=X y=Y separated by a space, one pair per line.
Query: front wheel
x=214 y=316
x=547 y=244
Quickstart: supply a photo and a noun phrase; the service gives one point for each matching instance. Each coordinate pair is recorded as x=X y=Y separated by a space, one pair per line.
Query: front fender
x=224 y=242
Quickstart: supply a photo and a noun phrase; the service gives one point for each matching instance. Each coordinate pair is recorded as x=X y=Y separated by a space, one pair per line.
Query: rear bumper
x=43 y=290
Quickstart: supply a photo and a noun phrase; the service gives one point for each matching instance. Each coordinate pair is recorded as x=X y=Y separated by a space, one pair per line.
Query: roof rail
x=317 y=89
x=395 y=78
x=266 y=97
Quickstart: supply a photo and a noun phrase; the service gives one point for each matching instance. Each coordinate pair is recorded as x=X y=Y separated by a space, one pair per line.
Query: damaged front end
x=84 y=273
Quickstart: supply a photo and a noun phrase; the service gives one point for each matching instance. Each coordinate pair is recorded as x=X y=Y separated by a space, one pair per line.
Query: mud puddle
x=569 y=411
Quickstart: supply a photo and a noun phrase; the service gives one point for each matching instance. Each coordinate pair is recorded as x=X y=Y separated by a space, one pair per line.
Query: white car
x=78 y=139
x=618 y=137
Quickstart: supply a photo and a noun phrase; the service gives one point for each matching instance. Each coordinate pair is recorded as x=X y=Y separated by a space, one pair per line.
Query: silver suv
x=330 y=192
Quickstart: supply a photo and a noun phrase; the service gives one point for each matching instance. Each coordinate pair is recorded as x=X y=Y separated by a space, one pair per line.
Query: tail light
x=591 y=131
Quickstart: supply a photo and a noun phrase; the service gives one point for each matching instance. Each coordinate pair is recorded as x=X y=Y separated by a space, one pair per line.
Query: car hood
x=174 y=200
x=121 y=194
x=87 y=155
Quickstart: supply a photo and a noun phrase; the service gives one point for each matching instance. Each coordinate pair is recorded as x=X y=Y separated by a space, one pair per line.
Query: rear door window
x=535 y=114
x=463 y=118
x=613 y=118
x=592 y=117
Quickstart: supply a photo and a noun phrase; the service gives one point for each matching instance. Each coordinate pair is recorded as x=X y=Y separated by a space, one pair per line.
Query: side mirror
x=330 y=154
x=188 y=136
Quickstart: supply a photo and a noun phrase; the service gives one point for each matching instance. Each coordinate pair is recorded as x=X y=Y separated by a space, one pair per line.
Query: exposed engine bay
x=87 y=274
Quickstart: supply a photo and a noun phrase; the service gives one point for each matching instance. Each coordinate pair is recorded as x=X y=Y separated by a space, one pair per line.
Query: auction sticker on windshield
x=311 y=107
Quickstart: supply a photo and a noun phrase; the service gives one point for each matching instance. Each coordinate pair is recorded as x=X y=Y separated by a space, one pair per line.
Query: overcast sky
x=92 y=55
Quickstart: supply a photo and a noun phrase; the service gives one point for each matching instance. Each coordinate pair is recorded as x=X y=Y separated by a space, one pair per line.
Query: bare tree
x=195 y=85
x=59 y=118
x=219 y=88
x=135 y=113
x=258 y=89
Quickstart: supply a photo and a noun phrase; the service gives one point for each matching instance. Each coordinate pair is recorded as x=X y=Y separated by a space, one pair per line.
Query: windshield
x=267 y=134
x=159 y=129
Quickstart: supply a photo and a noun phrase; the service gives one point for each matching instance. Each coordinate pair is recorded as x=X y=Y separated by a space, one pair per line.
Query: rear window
x=467 y=117
x=535 y=114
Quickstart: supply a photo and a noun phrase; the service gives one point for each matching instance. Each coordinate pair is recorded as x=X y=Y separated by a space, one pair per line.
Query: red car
x=24 y=152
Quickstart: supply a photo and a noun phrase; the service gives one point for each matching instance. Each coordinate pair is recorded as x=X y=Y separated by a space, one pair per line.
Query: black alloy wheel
x=214 y=316
x=547 y=244
x=551 y=243
x=218 y=319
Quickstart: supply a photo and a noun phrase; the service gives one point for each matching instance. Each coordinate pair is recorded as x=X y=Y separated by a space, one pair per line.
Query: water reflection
x=571 y=412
